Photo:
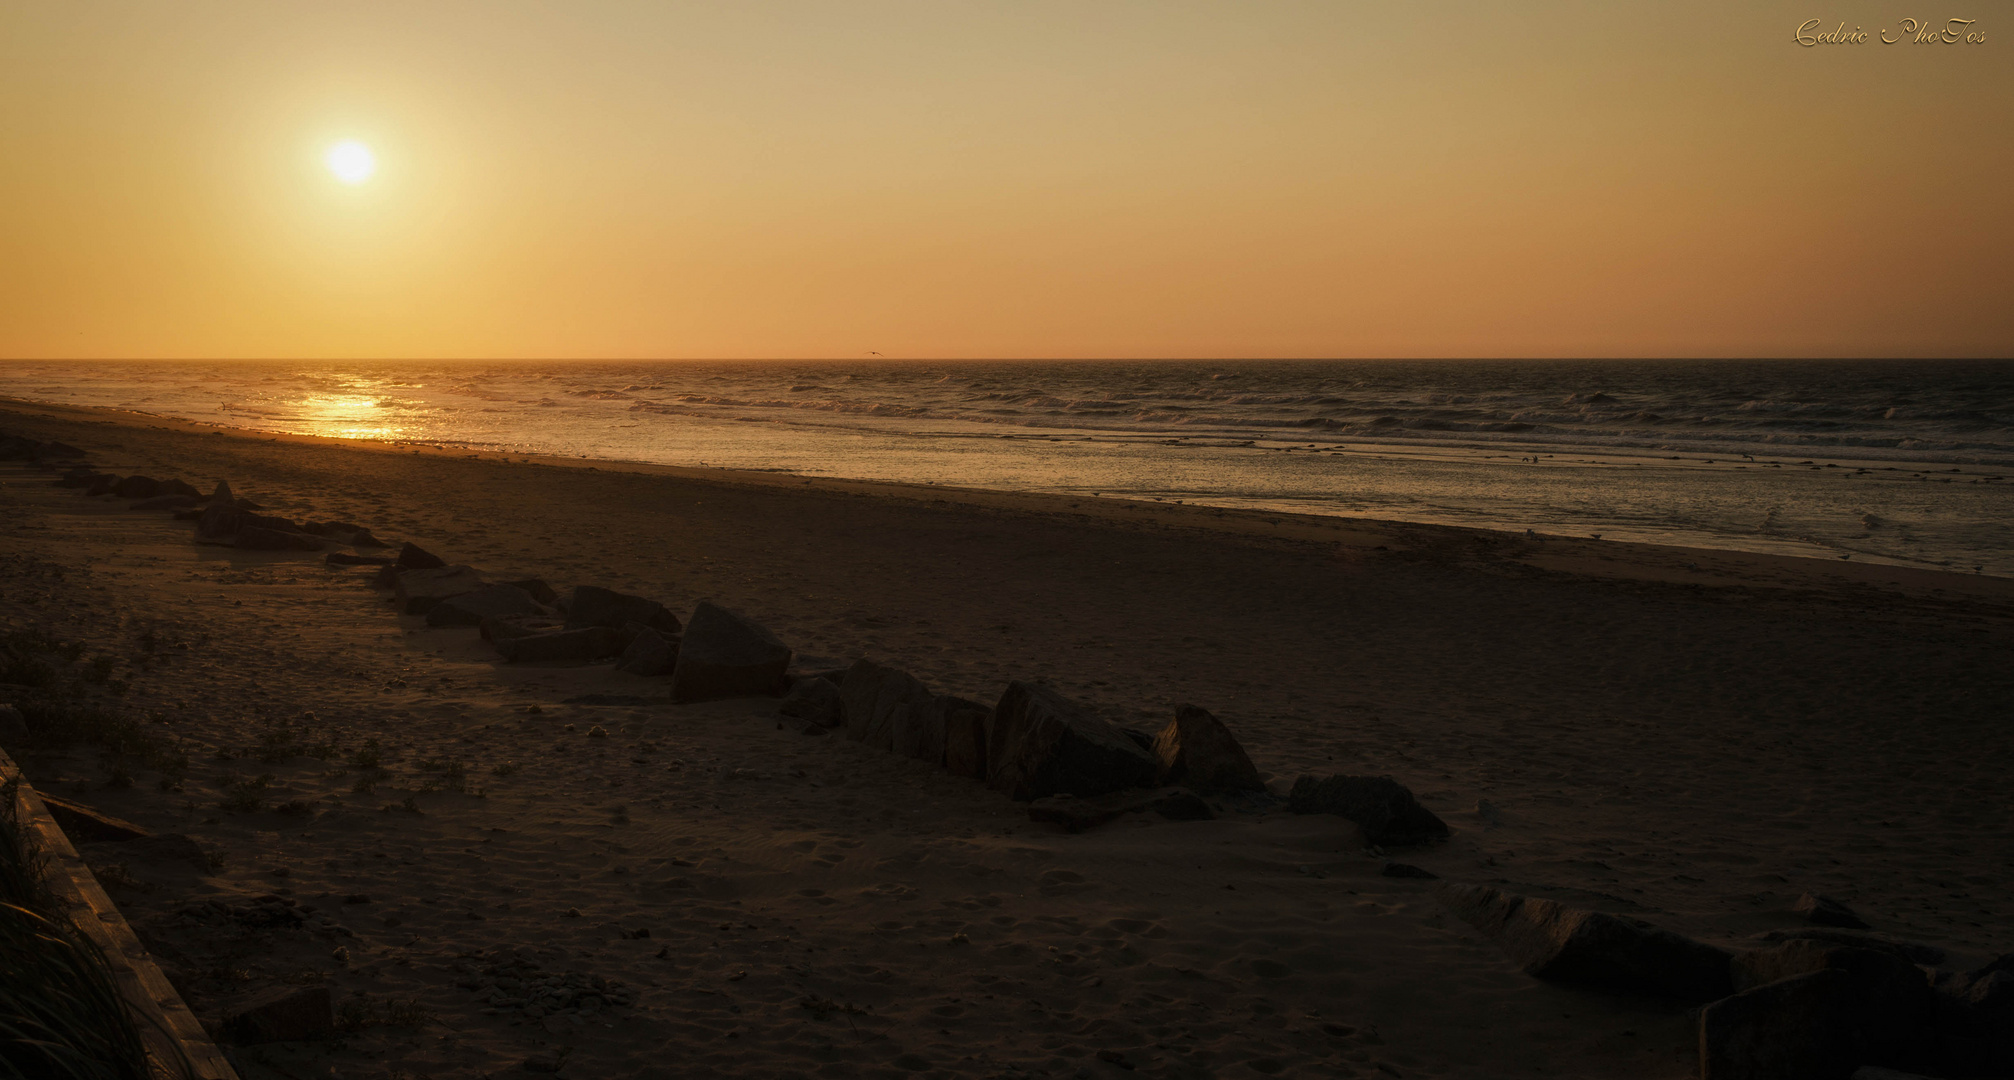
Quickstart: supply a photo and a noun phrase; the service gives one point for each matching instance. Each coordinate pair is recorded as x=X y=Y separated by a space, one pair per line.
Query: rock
x=137 y=487
x=1182 y=806
x=1975 y=1021
x=471 y=608
x=1198 y=751
x=815 y=701
x=1039 y=743
x=165 y=502
x=965 y=727
x=650 y=652
x=539 y=590
x=585 y=644
x=1407 y=870
x=179 y=487
x=504 y=627
x=362 y=538
x=13 y=726
x=104 y=485
x=83 y=478
x=260 y=538
x=222 y=494
x=1806 y=1008
x=1072 y=814
x=84 y=825
x=876 y=700
x=1382 y=807
x=343 y=558
x=414 y=557
x=283 y=1014
x=57 y=451
x=1825 y=911
x=919 y=730
x=417 y=591
x=1908 y=950
x=219 y=522
x=723 y=655
x=592 y=605
x=1589 y=948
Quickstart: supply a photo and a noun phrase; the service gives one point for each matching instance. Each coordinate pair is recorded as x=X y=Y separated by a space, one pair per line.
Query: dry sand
x=1693 y=737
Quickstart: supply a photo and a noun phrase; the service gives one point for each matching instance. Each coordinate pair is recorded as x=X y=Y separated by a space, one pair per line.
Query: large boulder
x=414 y=557
x=1590 y=948
x=919 y=731
x=1382 y=807
x=1975 y=1020
x=471 y=608
x=417 y=591
x=1040 y=743
x=586 y=644
x=650 y=652
x=722 y=655
x=877 y=698
x=1825 y=911
x=13 y=726
x=592 y=605
x=136 y=487
x=1196 y=751
x=815 y=701
x=504 y=627
x=965 y=724
x=1808 y=1009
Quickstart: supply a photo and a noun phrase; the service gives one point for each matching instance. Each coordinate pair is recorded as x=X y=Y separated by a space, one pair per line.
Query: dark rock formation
x=471 y=608
x=84 y=825
x=650 y=652
x=815 y=701
x=1810 y=1009
x=592 y=605
x=722 y=655
x=1825 y=911
x=136 y=487
x=1590 y=948
x=1975 y=1020
x=505 y=627
x=539 y=590
x=965 y=727
x=165 y=502
x=1382 y=807
x=417 y=591
x=1197 y=751
x=1040 y=744
x=876 y=699
x=342 y=558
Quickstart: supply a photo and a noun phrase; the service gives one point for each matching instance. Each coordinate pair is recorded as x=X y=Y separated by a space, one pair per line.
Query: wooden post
x=145 y=988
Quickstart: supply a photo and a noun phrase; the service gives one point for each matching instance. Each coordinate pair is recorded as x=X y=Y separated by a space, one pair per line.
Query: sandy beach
x=1692 y=737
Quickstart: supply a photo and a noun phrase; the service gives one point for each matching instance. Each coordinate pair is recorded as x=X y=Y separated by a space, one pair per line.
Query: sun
x=351 y=161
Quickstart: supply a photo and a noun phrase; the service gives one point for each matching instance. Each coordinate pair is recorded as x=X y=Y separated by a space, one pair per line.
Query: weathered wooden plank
x=149 y=992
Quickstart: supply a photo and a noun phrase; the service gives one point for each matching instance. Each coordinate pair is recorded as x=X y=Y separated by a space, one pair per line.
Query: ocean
x=1887 y=461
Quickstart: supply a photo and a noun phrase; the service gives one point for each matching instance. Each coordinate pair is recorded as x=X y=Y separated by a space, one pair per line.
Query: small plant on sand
x=452 y=774
x=370 y=756
x=277 y=744
x=365 y=785
x=246 y=795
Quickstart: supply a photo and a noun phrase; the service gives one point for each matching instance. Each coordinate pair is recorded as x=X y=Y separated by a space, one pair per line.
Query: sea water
x=1890 y=461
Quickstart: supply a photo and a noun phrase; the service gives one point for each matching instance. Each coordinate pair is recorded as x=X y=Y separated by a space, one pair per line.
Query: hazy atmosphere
x=1048 y=180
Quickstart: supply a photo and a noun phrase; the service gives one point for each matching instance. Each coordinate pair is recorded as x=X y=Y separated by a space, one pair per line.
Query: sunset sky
x=1012 y=179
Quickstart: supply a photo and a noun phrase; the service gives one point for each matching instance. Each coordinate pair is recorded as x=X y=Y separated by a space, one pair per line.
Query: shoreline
x=1627 y=559
x=1597 y=723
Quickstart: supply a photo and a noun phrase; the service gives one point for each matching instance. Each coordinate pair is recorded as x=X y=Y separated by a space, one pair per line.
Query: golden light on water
x=351 y=161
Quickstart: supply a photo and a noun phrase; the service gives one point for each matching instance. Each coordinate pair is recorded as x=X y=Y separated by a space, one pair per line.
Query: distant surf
x=1712 y=453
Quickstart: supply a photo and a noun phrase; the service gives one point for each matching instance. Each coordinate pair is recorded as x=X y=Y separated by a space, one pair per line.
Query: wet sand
x=1695 y=737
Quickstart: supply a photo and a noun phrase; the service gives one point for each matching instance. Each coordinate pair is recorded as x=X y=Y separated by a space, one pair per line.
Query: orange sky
x=1014 y=179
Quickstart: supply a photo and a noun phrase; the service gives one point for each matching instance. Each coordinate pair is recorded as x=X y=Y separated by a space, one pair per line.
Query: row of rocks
x=221 y=518
x=23 y=448
x=1811 y=1005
